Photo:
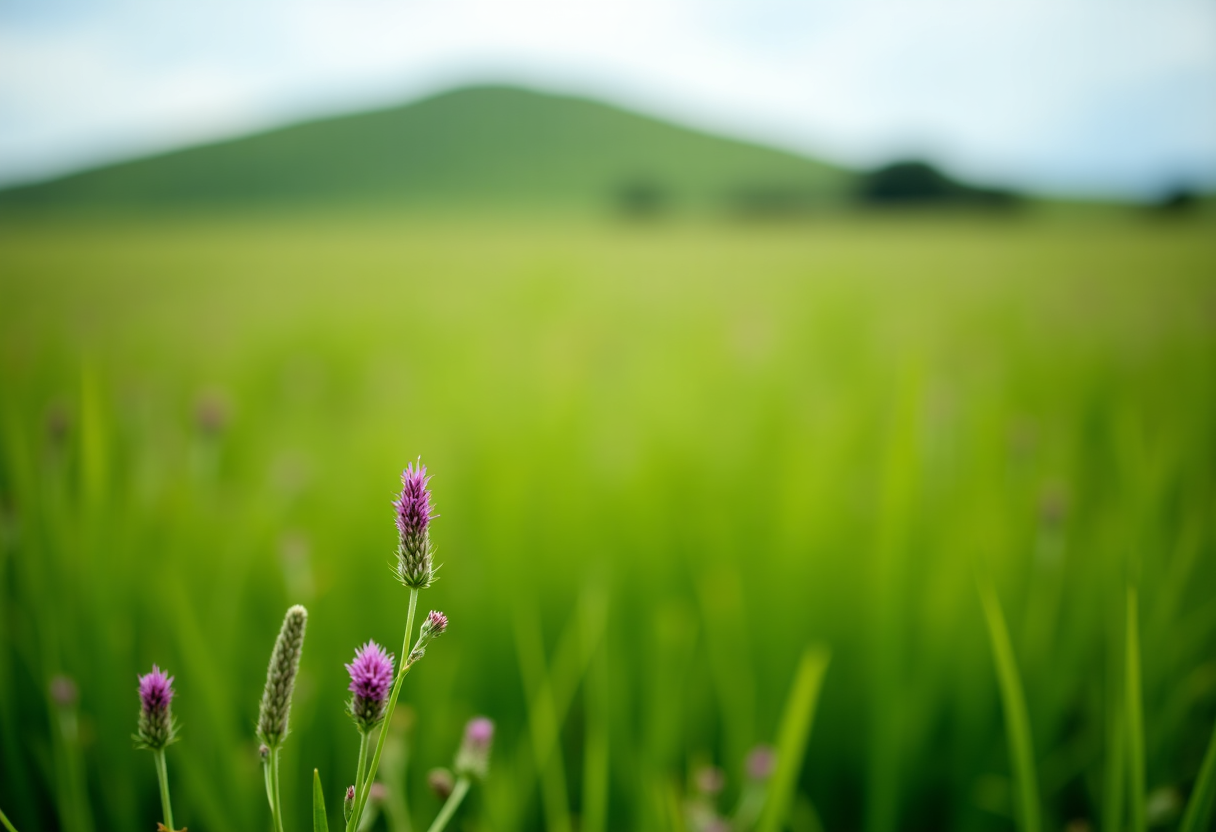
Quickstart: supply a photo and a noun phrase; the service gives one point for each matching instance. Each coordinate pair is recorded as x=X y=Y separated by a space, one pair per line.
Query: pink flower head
x=761 y=761
x=371 y=677
x=473 y=758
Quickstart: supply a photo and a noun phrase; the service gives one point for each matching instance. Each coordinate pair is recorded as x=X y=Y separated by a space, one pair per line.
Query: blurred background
x=752 y=346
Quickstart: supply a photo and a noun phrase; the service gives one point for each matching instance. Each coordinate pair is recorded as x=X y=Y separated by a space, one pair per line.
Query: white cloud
x=1073 y=95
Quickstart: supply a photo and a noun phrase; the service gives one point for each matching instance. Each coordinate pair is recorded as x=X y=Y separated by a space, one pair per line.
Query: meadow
x=677 y=464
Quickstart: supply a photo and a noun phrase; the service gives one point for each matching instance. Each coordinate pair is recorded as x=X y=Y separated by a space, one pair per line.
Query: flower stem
x=274 y=823
x=450 y=805
x=276 y=807
x=162 y=774
x=362 y=762
x=404 y=668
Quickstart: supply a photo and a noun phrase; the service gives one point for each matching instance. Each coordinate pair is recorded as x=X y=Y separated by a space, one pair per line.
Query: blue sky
x=1088 y=97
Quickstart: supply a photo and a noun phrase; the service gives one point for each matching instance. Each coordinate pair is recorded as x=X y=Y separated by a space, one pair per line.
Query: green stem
x=404 y=668
x=7 y=824
x=277 y=806
x=450 y=806
x=162 y=774
x=274 y=823
x=362 y=761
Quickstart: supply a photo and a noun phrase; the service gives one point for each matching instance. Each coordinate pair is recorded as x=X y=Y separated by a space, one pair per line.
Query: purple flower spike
x=473 y=758
x=371 y=677
x=415 y=565
x=157 y=727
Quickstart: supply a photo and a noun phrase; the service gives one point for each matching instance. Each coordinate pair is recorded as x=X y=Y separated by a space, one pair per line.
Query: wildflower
x=441 y=782
x=371 y=677
x=415 y=564
x=157 y=727
x=64 y=692
x=710 y=780
x=761 y=761
x=281 y=678
x=473 y=758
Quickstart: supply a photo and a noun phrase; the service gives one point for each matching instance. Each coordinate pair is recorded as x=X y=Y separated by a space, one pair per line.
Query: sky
x=1067 y=97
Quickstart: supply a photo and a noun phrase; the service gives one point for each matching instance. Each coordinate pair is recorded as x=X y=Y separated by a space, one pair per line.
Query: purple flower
x=157 y=727
x=473 y=758
x=415 y=566
x=761 y=761
x=371 y=677
x=64 y=692
x=710 y=780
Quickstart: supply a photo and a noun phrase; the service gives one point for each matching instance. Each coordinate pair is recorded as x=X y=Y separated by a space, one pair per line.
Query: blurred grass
x=711 y=444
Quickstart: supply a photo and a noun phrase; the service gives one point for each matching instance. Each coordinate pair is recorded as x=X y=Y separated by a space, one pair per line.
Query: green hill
x=490 y=146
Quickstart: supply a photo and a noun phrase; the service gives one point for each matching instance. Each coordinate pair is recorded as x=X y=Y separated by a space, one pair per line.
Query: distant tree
x=914 y=182
x=641 y=199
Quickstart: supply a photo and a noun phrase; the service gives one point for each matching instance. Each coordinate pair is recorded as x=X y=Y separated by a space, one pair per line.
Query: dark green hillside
x=484 y=146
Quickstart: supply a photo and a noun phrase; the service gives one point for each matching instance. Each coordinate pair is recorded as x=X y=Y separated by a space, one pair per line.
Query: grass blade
x=544 y=726
x=319 y=822
x=1198 y=815
x=793 y=735
x=8 y=826
x=1017 y=719
x=1135 y=717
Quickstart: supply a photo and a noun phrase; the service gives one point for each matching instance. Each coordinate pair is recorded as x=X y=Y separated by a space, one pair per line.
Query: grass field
x=669 y=459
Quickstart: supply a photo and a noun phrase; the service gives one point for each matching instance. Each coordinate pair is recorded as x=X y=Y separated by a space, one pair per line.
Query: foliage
x=685 y=452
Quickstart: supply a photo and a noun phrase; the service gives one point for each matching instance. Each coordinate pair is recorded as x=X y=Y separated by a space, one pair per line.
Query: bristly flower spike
x=281 y=678
x=371 y=677
x=157 y=726
x=415 y=556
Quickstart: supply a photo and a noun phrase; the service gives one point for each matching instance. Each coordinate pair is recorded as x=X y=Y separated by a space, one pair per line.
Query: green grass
x=1017 y=721
x=667 y=458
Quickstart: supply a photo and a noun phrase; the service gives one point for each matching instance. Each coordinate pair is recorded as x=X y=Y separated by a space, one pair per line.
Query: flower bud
x=348 y=805
x=157 y=727
x=432 y=627
x=473 y=758
x=64 y=692
x=281 y=678
x=761 y=761
x=710 y=780
x=441 y=782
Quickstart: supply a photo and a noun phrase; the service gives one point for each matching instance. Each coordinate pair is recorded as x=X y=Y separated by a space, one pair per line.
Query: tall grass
x=667 y=458
x=1017 y=720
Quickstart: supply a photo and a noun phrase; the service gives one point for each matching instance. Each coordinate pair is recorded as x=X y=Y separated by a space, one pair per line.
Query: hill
x=485 y=146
